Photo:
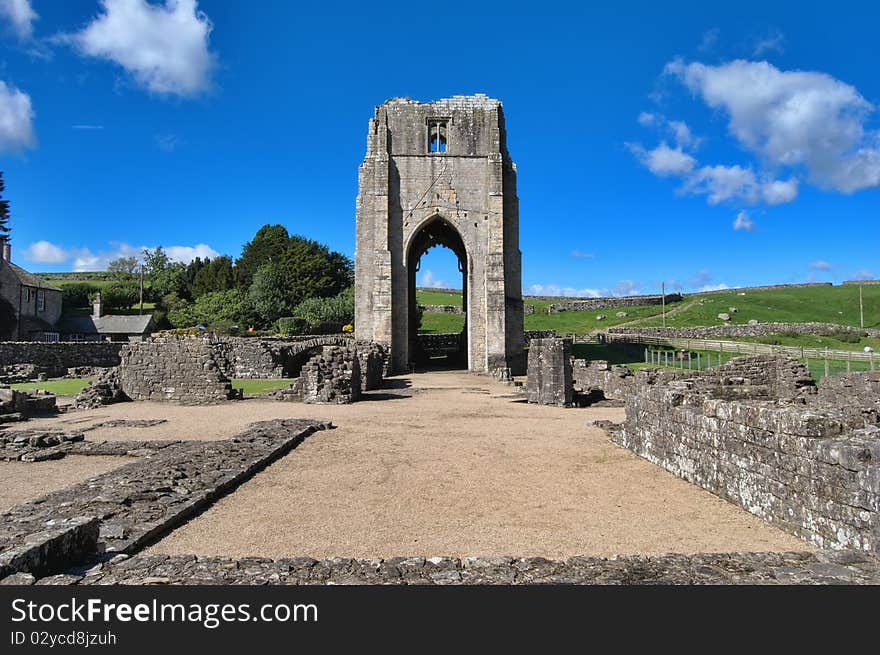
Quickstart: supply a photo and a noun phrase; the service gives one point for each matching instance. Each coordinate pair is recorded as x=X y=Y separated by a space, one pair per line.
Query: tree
x=4 y=209
x=163 y=276
x=268 y=244
x=123 y=268
x=120 y=295
x=215 y=275
x=336 y=311
x=267 y=294
x=77 y=295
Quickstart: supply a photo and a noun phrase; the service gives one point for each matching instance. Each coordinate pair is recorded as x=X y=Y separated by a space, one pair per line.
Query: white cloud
x=771 y=41
x=622 y=288
x=820 y=265
x=167 y=142
x=87 y=127
x=713 y=287
x=164 y=47
x=84 y=259
x=722 y=183
x=580 y=254
x=863 y=274
x=663 y=160
x=45 y=252
x=21 y=15
x=744 y=222
x=683 y=135
x=792 y=119
x=646 y=118
x=709 y=40
x=430 y=281
x=186 y=254
x=16 y=119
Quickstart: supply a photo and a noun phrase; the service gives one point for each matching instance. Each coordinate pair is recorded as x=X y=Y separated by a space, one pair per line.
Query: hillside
x=827 y=304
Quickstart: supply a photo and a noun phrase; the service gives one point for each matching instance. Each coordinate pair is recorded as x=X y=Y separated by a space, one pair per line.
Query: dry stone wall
x=181 y=369
x=332 y=377
x=728 y=330
x=777 y=450
x=590 y=304
x=859 y=389
x=53 y=359
x=549 y=379
x=373 y=360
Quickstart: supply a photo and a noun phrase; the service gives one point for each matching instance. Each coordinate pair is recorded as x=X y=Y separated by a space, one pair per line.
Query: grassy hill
x=832 y=304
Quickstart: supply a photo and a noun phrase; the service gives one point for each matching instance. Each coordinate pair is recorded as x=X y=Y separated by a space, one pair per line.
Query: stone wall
x=745 y=330
x=811 y=469
x=270 y=357
x=549 y=379
x=613 y=380
x=861 y=282
x=181 y=369
x=766 y=287
x=54 y=359
x=859 y=389
x=589 y=304
x=443 y=309
x=373 y=360
x=333 y=376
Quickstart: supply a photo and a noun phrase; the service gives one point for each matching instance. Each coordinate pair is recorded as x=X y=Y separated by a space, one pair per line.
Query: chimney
x=7 y=249
x=97 y=306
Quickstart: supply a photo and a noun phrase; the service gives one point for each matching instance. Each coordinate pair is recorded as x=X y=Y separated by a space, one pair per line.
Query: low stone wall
x=858 y=389
x=589 y=304
x=730 y=330
x=765 y=287
x=613 y=380
x=270 y=357
x=443 y=309
x=55 y=358
x=182 y=369
x=333 y=376
x=549 y=380
x=861 y=282
x=823 y=567
x=811 y=469
x=528 y=335
x=139 y=502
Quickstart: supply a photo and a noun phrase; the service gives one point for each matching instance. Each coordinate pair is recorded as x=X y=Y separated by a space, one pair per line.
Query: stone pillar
x=549 y=372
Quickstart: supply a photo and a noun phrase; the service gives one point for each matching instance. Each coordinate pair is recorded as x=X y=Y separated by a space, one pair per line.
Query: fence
x=704 y=353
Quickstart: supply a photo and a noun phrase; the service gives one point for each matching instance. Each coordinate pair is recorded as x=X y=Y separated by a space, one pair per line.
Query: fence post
x=849 y=364
x=826 y=361
x=699 y=368
x=646 y=355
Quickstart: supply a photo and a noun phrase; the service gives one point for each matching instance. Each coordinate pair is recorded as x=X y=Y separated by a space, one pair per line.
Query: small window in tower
x=437 y=135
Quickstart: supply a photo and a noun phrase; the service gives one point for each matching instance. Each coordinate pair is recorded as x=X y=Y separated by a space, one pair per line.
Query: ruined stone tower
x=439 y=173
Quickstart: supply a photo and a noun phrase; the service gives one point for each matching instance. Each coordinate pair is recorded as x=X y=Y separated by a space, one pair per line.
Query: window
x=51 y=337
x=437 y=134
x=41 y=301
x=27 y=294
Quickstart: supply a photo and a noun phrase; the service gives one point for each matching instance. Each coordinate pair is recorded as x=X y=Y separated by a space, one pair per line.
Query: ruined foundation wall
x=373 y=360
x=811 y=469
x=173 y=368
x=549 y=372
x=613 y=380
x=333 y=377
x=858 y=389
x=57 y=357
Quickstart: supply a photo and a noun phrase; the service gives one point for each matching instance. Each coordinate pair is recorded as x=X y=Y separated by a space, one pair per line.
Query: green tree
x=77 y=295
x=268 y=244
x=123 y=268
x=267 y=294
x=215 y=275
x=120 y=295
x=4 y=209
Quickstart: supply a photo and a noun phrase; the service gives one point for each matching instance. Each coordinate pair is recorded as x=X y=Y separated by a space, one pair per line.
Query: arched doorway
x=436 y=231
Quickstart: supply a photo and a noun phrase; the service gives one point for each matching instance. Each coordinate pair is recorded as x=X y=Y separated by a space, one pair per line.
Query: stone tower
x=439 y=173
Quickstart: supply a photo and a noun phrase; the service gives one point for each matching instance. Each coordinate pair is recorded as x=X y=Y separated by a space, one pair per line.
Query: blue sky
x=697 y=144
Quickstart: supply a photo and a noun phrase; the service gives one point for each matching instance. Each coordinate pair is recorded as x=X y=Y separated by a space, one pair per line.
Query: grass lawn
x=438 y=298
x=811 y=341
x=258 y=387
x=67 y=387
x=441 y=323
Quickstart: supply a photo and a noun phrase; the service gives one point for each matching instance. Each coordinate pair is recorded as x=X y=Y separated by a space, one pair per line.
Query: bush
x=80 y=294
x=120 y=296
x=217 y=308
x=846 y=336
x=291 y=325
x=327 y=312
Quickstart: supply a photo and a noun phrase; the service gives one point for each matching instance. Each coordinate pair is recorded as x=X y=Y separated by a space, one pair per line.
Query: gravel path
x=21 y=481
x=461 y=467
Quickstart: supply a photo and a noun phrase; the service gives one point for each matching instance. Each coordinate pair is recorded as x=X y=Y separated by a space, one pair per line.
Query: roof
x=109 y=324
x=30 y=280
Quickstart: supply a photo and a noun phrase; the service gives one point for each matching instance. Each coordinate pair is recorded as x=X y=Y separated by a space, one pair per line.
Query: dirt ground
x=20 y=481
x=461 y=467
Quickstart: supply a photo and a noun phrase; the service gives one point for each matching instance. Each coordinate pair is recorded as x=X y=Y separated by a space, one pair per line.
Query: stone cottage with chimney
x=35 y=305
x=105 y=327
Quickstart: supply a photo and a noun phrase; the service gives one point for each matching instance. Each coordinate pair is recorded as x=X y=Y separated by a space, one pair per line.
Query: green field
x=836 y=304
x=259 y=387
x=66 y=387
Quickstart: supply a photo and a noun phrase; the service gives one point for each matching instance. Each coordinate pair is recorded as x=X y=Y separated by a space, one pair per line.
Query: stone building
x=36 y=304
x=439 y=173
x=105 y=327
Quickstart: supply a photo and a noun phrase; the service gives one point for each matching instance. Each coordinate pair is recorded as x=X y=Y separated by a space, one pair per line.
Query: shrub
x=846 y=336
x=217 y=308
x=331 y=313
x=79 y=294
x=120 y=296
x=290 y=325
